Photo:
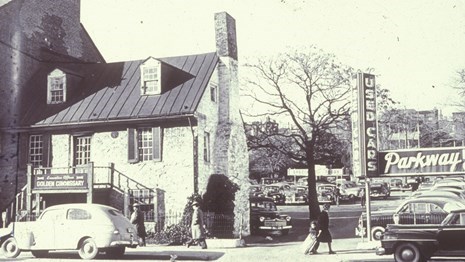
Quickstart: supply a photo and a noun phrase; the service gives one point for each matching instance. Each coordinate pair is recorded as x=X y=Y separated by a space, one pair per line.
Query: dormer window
x=56 y=87
x=150 y=77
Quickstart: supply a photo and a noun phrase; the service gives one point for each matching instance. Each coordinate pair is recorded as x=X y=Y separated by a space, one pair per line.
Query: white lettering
x=420 y=160
x=369 y=82
x=370 y=116
x=371 y=166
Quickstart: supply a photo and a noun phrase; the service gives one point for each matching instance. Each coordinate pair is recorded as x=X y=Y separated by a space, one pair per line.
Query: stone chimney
x=226 y=48
x=230 y=155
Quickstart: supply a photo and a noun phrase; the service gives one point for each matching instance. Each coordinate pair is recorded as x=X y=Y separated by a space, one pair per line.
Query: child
x=310 y=241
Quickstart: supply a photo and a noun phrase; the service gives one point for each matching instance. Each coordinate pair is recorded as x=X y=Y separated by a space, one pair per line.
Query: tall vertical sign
x=364 y=127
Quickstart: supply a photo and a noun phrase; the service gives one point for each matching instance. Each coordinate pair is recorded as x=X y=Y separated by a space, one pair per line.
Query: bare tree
x=309 y=90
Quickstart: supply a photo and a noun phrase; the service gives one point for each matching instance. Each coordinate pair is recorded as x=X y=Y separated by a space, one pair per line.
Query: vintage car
x=423 y=210
x=87 y=228
x=326 y=193
x=349 y=191
x=379 y=190
x=275 y=192
x=264 y=217
x=396 y=184
x=255 y=190
x=424 y=242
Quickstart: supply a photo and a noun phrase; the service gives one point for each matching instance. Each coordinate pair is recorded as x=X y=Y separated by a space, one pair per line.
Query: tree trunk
x=313 y=206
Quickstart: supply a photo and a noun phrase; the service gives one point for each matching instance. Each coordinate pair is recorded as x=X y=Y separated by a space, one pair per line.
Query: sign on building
x=422 y=161
x=59 y=181
x=364 y=127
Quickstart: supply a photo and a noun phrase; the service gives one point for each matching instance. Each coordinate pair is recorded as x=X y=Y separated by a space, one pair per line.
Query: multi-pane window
x=56 y=87
x=213 y=92
x=36 y=147
x=145 y=141
x=81 y=150
x=206 y=146
x=150 y=79
x=144 y=144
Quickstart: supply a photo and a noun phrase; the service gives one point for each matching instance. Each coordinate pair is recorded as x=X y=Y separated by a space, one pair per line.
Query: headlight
x=288 y=218
x=262 y=219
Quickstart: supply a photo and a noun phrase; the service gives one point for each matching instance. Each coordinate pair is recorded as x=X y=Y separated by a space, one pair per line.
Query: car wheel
x=39 y=253
x=10 y=248
x=408 y=252
x=376 y=233
x=88 y=249
x=115 y=252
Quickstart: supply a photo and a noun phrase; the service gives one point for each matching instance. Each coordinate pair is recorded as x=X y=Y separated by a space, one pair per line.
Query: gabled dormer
x=150 y=83
x=56 y=87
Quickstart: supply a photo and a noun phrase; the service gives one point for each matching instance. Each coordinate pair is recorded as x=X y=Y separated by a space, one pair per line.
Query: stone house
x=75 y=128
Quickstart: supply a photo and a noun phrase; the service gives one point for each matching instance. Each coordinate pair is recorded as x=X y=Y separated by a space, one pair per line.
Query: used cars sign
x=426 y=161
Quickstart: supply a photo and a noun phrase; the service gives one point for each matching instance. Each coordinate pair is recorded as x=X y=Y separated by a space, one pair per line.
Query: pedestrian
x=309 y=242
x=362 y=197
x=323 y=235
x=197 y=227
x=137 y=219
x=337 y=194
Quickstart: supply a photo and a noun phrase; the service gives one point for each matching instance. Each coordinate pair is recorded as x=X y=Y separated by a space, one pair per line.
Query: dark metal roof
x=109 y=92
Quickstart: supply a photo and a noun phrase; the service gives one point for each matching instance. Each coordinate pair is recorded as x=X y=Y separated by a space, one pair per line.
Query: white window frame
x=82 y=150
x=56 y=94
x=145 y=143
x=214 y=92
x=150 y=77
x=206 y=146
x=36 y=150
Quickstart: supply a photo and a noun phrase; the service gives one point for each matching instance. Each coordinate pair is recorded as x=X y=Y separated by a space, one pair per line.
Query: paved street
x=344 y=218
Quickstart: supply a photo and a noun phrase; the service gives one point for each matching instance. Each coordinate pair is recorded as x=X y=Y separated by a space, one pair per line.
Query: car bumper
x=380 y=251
x=126 y=243
x=275 y=227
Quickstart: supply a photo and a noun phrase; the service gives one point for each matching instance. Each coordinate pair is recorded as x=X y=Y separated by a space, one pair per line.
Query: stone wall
x=174 y=174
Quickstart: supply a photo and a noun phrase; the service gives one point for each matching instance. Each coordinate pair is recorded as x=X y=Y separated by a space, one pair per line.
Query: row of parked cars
x=431 y=223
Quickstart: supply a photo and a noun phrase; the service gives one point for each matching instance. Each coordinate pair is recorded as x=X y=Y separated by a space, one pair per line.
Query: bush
x=176 y=234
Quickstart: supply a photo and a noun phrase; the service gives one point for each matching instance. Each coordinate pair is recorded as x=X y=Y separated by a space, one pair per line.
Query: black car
x=276 y=193
x=427 y=210
x=424 y=242
x=264 y=216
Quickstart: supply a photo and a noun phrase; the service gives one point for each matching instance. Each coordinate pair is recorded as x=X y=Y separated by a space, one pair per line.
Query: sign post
x=365 y=135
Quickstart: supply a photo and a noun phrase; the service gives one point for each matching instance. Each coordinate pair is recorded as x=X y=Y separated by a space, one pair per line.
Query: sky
x=414 y=47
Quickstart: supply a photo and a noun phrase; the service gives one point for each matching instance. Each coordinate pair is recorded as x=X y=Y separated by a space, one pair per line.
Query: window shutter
x=156 y=131
x=46 y=150
x=133 y=152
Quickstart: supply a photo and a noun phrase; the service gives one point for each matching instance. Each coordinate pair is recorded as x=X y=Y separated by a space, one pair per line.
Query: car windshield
x=263 y=206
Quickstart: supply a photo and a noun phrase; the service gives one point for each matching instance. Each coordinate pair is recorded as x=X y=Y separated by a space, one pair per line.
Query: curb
x=225 y=243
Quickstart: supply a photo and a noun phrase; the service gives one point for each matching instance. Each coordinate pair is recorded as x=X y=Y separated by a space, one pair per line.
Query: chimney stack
x=225 y=30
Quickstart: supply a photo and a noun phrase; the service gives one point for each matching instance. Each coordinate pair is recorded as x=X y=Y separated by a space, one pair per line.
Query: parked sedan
x=326 y=193
x=88 y=228
x=276 y=193
x=424 y=210
x=264 y=216
x=422 y=242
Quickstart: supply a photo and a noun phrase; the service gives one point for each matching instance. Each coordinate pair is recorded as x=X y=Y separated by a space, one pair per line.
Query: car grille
x=275 y=223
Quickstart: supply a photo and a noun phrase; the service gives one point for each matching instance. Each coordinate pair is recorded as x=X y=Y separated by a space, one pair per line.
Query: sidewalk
x=350 y=249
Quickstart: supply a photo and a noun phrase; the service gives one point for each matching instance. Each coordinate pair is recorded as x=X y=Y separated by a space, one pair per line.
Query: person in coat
x=323 y=230
x=197 y=227
x=137 y=219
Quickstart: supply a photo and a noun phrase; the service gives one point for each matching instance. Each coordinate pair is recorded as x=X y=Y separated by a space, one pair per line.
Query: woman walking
x=323 y=230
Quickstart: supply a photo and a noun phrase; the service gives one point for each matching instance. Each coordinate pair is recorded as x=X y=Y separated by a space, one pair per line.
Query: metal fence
x=218 y=225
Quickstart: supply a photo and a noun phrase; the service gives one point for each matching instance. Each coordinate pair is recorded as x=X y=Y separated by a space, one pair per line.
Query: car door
x=73 y=227
x=450 y=237
x=44 y=232
x=405 y=214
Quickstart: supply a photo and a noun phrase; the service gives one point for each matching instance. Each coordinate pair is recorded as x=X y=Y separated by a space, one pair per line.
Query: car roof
x=80 y=205
x=260 y=199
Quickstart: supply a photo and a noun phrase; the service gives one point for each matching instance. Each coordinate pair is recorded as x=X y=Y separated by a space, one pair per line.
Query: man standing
x=197 y=227
x=137 y=219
